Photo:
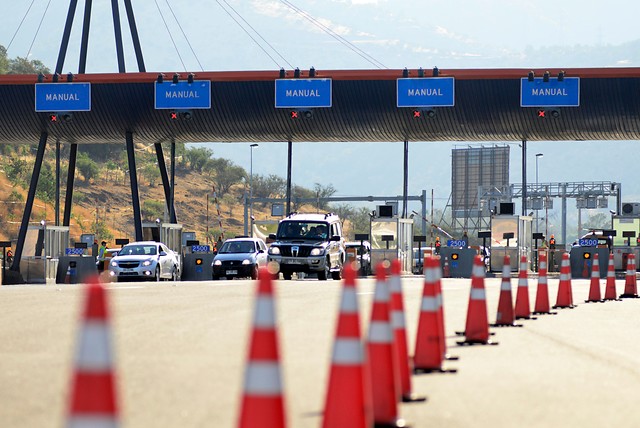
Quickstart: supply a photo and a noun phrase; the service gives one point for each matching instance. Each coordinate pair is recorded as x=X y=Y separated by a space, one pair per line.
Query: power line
x=185 y=36
x=335 y=35
x=38 y=30
x=251 y=37
x=170 y=35
x=20 y=25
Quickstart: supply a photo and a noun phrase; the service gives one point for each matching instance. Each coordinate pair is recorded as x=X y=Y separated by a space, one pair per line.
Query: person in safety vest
x=101 y=255
x=552 y=250
x=437 y=245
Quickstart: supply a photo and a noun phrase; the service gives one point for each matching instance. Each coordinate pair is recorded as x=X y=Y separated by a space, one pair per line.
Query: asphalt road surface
x=180 y=352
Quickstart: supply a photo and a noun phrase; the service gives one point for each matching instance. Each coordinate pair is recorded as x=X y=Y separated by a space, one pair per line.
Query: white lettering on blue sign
x=425 y=92
x=62 y=97
x=549 y=92
x=181 y=94
x=302 y=93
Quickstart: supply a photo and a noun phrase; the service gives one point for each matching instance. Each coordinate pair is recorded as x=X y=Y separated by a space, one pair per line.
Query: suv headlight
x=316 y=252
x=274 y=250
x=246 y=262
x=217 y=263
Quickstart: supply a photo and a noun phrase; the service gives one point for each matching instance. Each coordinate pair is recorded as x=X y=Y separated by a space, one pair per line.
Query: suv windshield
x=303 y=230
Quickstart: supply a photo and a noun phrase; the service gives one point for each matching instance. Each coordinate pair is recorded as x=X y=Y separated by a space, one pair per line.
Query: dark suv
x=309 y=243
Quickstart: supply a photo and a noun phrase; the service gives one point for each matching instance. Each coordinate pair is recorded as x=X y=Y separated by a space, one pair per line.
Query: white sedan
x=145 y=260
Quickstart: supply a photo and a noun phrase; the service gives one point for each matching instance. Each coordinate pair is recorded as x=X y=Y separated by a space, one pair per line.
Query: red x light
x=294 y=114
x=417 y=114
x=541 y=113
x=174 y=115
x=53 y=117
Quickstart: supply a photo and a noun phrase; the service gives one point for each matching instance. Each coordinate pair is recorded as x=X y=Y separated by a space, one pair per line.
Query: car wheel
x=157 y=275
x=174 y=274
x=254 y=272
x=337 y=275
x=286 y=276
x=324 y=273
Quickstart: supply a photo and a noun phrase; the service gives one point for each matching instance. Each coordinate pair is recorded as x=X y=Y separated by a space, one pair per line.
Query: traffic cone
x=348 y=401
x=565 y=293
x=542 y=292
x=610 y=287
x=440 y=303
x=505 y=316
x=446 y=272
x=523 y=309
x=385 y=382
x=594 y=286
x=399 y=333
x=262 y=400
x=429 y=351
x=93 y=392
x=477 y=325
x=630 y=284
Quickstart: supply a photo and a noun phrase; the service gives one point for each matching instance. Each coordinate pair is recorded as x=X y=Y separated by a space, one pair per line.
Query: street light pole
x=251 y=188
x=538 y=156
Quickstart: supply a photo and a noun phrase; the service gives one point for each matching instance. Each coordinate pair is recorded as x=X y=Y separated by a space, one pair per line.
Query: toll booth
x=456 y=260
x=581 y=259
x=43 y=247
x=625 y=240
x=392 y=238
x=76 y=265
x=510 y=235
x=197 y=262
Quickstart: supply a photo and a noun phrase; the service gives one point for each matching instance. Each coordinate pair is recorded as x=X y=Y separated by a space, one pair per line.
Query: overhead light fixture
x=436 y=72
x=69 y=77
x=405 y=72
x=296 y=73
x=190 y=78
x=282 y=73
x=545 y=76
x=40 y=77
x=561 y=76
x=160 y=78
x=176 y=76
x=312 y=72
x=55 y=77
x=530 y=76
x=420 y=72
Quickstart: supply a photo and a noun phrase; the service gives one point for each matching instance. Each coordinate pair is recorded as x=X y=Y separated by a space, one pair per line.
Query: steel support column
x=57 y=208
x=71 y=172
x=289 y=150
x=172 y=213
x=31 y=196
x=165 y=181
x=65 y=36
x=134 y=35
x=118 y=34
x=405 y=179
x=133 y=178
x=524 y=177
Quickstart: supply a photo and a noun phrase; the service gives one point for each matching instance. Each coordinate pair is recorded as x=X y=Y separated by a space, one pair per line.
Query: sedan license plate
x=232 y=272
x=127 y=270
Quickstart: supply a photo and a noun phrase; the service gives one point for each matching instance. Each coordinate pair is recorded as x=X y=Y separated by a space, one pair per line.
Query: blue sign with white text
x=554 y=93
x=426 y=92
x=183 y=95
x=457 y=243
x=56 y=97
x=303 y=93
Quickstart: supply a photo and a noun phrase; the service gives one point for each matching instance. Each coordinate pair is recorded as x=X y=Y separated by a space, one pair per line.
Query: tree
x=270 y=186
x=361 y=221
x=321 y=192
x=227 y=176
x=4 y=61
x=24 y=66
x=86 y=166
x=598 y=221
x=198 y=157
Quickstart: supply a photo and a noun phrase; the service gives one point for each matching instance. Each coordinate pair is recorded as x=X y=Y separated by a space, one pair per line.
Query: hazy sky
x=364 y=34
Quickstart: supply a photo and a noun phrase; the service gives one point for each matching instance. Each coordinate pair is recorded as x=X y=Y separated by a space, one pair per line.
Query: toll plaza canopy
x=488 y=105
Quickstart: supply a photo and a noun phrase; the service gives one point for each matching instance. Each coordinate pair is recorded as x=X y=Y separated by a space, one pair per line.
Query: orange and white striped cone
x=505 y=316
x=93 y=393
x=398 y=325
x=610 y=286
x=565 y=293
x=477 y=325
x=523 y=308
x=348 y=400
x=585 y=269
x=440 y=302
x=385 y=382
x=630 y=283
x=263 y=403
x=429 y=350
x=542 y=293
x=594 y=285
